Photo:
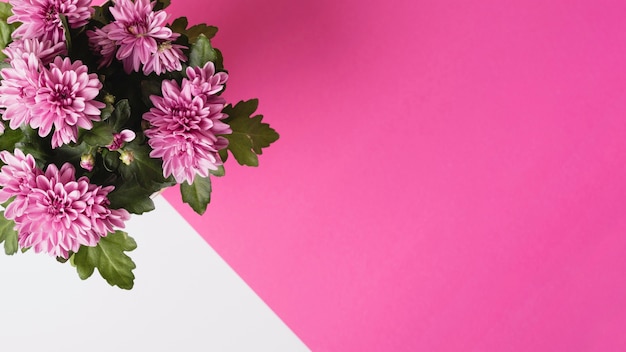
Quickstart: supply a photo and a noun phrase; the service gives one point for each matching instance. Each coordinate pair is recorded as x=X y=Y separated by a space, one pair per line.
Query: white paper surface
x=186 y=298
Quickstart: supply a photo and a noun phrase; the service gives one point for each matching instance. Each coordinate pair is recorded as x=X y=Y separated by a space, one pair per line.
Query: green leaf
x=110 y=160
x=66 y=30
x=6 y=11
x=219 y=60
x=249 y=135
x=5 y=28
x=179 y=25
x=68 y=153
x=161 y=4
x=148 y=88
x=9 y=138
x=132 y=197
x=4 y=64
x=35 y=145
x=99 y=15
x=223 y=154
x=144 y=169
x=5 y=37
x=110 y=260
x=202 y=52
x=106 y=113
x=100 y=135
x=8 y=235
x=219 y=172
x=194 y=32
x=198 y=194
x=120 y=115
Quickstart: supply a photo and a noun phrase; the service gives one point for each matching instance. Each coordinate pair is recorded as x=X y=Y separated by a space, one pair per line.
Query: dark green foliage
x=198 y=194
x=250 y=135
x=109 y=258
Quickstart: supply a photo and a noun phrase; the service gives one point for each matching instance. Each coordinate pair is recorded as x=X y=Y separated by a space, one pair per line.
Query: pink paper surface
x=450 y=174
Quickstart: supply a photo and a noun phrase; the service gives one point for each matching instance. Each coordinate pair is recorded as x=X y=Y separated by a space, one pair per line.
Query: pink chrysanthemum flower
x=54 y=212
x=205 y=81
x=18 y=90
x=136 y=29
x=178 y=111
x=64 y=213
x=41 y=18
x=103 y=219
x=17 y=179
x=167 y=58
x=185 y=155
x=55 y=221
x=185 y=131
x=101 y=44
x=44 y=50
x=65 y=100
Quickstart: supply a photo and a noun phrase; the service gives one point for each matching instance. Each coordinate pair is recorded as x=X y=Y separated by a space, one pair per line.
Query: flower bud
x=127 y=157
x=120 y=138
x=87 y=162
x=109 y=99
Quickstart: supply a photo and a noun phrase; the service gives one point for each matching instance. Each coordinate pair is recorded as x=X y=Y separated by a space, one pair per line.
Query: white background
x=186 y=298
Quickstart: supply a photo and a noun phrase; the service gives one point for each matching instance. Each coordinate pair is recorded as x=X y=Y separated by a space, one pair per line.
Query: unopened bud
x=109 y=99
x=87 y=162
x=127 y=157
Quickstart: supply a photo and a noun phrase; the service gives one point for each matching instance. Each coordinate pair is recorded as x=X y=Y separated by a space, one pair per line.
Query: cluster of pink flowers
x=186 y=122
x=60 y=95
x=138 y=36
x=53 y=211
x=41 y=18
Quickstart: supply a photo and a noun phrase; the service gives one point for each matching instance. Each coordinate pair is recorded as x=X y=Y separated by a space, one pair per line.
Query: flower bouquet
x=102 y=107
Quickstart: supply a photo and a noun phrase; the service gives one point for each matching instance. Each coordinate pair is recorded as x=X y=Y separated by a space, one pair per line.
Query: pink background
x=450 y=174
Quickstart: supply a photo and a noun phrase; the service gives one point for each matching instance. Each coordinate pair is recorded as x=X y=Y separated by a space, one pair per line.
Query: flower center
x=165 y=46
x=56 y=207
x=138 y=29
x=51 y=14
x=184 y=117
x=62 y=95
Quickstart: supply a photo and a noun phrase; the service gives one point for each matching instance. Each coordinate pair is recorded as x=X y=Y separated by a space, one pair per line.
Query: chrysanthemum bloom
x=205 y=81
x=60 y=213
x=55 y=220
x=18 y=90
x=101 y=44
x=167 y=58
x=17 y=179
x=186 y=155
x=65 y=100
x=103 y=219
x=41 y=18
x=45 y=50
x=136 y=30
x=184 y=132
